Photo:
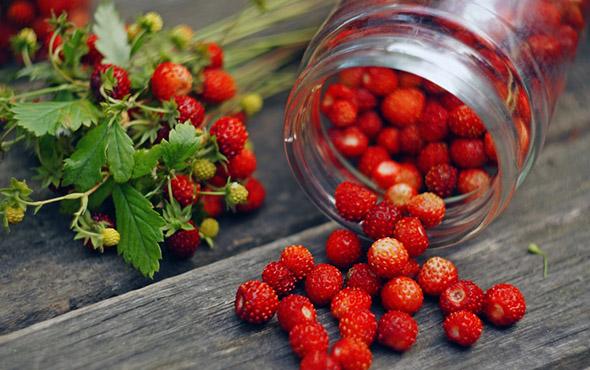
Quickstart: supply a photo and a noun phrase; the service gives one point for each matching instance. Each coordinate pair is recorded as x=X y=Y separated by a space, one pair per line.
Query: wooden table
x=63 y=307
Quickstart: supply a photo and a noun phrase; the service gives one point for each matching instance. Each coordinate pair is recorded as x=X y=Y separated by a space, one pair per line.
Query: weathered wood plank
x=188 y=322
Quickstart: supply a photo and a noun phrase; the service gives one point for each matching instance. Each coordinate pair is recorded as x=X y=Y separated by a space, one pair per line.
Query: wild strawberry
x=336 y=92
x=308 y=337
x=231 y=135
x=450 y=101
x=409 y=174
x=403 y=294
x=343 y=113
x=441 y=180
x=352 y=77
x=353 y=201
x=410 y=232
x=184 y=243
x=235 y=194
x=322 y=283
x=215 y=53
x=431 y=155
x=209 y=228
x=103 y=218
x=213 y=205
x=184 y=190
x=433 y=125
x=369 y=123
x=295 y=309
x=463 y=328
x=428 y=207
x=256 y=196
x=352 y=354
x=464 y=122
x=343 y=248
x=410 y=269
x=242 y=165
x=380 y=220
x=360 y=325
x=388 y=138
x=387 y=257
x=218 y=86
x=407 y=79
x=204 y=169
x=298 y=260
x=432 y=88
x=468 y=153
x=189 y=109
x=473 y=179
x=350 y=300
x=111 y=237
x=360 y=276
x=400 y=194
x=403 y=107
x=397 y=330
x=380 y=81
x=410 y=141
x=351 y=141
x=278 y=276
x=371 y=159
x=14 y=215
x=569 y=39
x=319 y=361
x=546 y=48
x=386 y=174
x=93 y=56
x=170 y=80
x=489 y=147
x=436 y=275
x=256 y=302
x=365 y=99
x=464 y=295
x=122 y=84
x=21 y=12
x=503 y=305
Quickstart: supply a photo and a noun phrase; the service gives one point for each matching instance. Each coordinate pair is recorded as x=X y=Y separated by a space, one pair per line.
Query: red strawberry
x=360 y=325
x=371 y=159
x=464 y=122
x=256 y=302
x=242 y=165
x=400 y=194
x=403 y=294
x=387 y=257
x=503 y=305
x=293 y=310
x=369 y=123
x=122 y=85
x=473 y=179
x=279 y=277
x=231 y=135
x=468 y=153
x=410 y=232
x=307 y=338
x=343 y=248
x=489 y=147
x=441 y=180
x=336 y=92
x=569 y=39
x=410 y=141
x=450 y=101
x=170 y=80
x=353 y=201
x=184 y=190
x=407 y=79
x=46 y=7
x=464 y=295
x=546 y=48
x=351 y=141
x=21 y=12
x=350 y=300
x=213 y=205
x=184 y=243
x=380 y=220
x=322 y=283
x=343 y=113
x=319 y=361
x=298 y=259
x=256 y=195
x=431 y=155
x=428 y=207
x=93 y=56
x=380 y=81
x=397 y=330
x=360 y=276
x=436 y=275
x=403 y=107
x=410 y=269
x=218 y=86
x=463 y=328
x=352 y=354
x=352 y=77
x=386 y=174
x=433 y=125
x=365 y=100
x=215 y=53
x=388 y=139
x=189 y=109
x=432 y=88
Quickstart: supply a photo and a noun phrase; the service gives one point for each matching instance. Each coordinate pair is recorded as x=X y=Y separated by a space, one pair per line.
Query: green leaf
x=146 y=160
x=83 y=167
x=181 y=145
x=120 y=154
x=140 y=228
x=51 y=158
x=75 y=47
x=46 y=117
x=112 y=38
x=37 y=71
x=101 y=194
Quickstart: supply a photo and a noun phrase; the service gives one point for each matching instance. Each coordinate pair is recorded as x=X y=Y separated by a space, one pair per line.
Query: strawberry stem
x=535 y=249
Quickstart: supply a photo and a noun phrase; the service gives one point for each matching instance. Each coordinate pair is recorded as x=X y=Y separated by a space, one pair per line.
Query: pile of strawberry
x=390 y=276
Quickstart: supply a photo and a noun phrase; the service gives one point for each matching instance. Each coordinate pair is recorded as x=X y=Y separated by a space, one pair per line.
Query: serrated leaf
x=120 y=154
x=146 y=160
x=79 y=113
x=112 y=38
x=140 y=227
x=46 y=117
x=75 y=47
x=51 y=158
x=83 y=167
x=181 y=145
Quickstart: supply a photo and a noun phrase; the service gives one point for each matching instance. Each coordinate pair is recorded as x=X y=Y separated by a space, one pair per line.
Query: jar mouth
x=319 y=170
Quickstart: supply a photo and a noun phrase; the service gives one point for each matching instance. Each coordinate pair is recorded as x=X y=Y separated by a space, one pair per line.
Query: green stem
x=152 y=109
x=217 y=193
x=6 y=133
x=71 y=196
x=54 y=56
x=7 y=144
x=45 y=91
x=26 y=57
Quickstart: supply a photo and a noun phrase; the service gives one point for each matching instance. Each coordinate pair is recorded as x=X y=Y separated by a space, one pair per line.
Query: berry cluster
x=389 y=274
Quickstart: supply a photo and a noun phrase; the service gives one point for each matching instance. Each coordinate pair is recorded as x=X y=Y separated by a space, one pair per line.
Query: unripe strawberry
x=111 y=237
x=14 y=215
x=204 y=169
x=236 y=194
x=256 y=196
x=209 y=228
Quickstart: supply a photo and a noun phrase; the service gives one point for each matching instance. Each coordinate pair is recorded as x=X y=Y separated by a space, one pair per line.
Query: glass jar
x=505 y=59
